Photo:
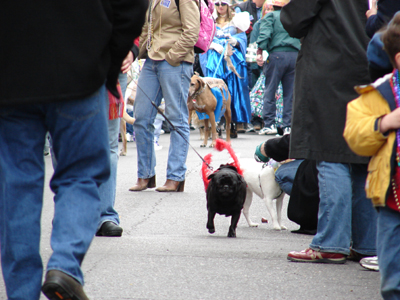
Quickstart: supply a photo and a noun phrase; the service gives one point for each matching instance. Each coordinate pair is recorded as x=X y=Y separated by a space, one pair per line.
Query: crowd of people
x=341 y=140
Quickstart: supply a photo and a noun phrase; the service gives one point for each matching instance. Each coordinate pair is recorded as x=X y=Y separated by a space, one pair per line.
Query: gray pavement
x=166 y=251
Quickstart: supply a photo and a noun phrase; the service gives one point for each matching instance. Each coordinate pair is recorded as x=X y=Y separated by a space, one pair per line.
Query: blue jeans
x=123 y=81
x=157 y=129
x=346 y=218
x=388 y=244
x=78 y=130
x=285 y=174
x=279 y=67
x=108 y=189
x=158 y=79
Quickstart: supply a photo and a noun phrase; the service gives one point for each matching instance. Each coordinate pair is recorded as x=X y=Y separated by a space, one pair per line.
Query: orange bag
x=116 y=106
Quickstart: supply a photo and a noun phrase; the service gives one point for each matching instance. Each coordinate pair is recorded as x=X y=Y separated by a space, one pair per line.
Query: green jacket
x=253 y=38
x=273 y=37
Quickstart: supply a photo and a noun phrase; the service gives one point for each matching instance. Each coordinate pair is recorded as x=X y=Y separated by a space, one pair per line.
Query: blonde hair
x=266 y=8
x=230 y=13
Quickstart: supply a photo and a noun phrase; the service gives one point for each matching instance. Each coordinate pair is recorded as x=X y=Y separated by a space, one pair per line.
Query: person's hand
x=373 y=10
x=259 y=60
x=232 y=41
x=126 y=64
x=217 y=47
x=390 y=121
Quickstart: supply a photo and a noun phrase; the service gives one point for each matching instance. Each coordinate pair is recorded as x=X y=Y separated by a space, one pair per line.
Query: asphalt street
x=166 y=252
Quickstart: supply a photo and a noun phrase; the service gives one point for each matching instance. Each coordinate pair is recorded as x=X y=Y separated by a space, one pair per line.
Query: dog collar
x=198 y=92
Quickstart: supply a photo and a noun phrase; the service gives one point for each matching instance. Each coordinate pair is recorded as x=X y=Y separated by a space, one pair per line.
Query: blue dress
x=214 y=65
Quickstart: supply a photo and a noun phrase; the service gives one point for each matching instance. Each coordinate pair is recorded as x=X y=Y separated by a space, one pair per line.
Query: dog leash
x=220 y=59
x=173 y=127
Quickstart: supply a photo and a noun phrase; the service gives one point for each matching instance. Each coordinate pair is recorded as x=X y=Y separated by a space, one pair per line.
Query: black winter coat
x=332 y=60
x=65 y=49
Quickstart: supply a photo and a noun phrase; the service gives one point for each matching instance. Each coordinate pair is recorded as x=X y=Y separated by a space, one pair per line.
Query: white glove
x=232 y=41
x=217 y=47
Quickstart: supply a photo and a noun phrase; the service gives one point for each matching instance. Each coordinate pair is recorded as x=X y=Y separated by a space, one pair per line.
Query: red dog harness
x=220 y=145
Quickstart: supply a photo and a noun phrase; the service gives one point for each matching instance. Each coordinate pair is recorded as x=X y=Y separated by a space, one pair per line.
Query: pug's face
x=225 y=181
x=225 y=184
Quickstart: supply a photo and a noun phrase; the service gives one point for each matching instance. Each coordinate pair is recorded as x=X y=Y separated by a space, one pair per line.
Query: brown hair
x=391 y=38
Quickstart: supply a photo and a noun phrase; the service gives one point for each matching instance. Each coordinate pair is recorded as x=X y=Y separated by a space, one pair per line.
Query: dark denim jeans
x=80 y=142
x=279 y=67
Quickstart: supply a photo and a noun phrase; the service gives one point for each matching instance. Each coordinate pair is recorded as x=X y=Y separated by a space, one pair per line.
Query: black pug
x=226 y=193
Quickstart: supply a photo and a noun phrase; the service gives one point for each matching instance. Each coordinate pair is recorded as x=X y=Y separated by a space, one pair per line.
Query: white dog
x=261 y=181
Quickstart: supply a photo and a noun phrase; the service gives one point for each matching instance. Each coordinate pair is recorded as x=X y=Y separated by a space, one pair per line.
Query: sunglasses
x=222 y=4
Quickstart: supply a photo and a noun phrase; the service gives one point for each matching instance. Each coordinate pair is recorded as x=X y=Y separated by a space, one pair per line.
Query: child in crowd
x=372 y=129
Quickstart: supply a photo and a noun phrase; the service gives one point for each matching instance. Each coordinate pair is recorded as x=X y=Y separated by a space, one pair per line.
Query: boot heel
x=152 y=182
x=181 y=186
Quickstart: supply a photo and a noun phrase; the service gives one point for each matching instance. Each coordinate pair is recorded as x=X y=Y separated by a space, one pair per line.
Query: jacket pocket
x=373 y=184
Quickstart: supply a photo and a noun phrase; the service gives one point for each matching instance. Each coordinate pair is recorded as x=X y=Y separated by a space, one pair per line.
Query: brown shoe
x=59 y=285
x=172 y=186
x=240 y=128
x=143 y=184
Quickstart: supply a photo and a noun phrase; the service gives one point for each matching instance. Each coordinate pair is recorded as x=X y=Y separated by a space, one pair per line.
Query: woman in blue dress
x=226 y=58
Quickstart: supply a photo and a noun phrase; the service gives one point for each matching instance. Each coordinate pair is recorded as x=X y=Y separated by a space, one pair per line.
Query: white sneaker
x=129 y=137
x=287 y=130
x=268 y=130
x=250 y=128
x=370 y=263
x=157 y=146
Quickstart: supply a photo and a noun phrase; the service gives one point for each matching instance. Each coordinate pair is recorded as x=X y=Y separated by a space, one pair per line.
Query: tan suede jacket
x=175 y=32
x=364 y=138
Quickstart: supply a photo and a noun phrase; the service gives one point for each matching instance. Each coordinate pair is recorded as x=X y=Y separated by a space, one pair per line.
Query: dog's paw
x=212 y=146
x=122 y=153
x=232 y=234
x=202 y=145
x=211 y=230
x=283 y=227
